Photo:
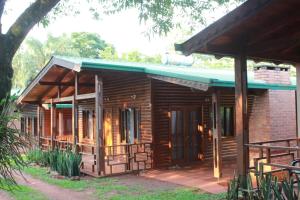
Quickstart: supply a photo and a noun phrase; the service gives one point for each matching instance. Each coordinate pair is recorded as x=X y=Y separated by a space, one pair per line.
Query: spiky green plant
x=53 y=157
x=288 y=189
x=12 y=143
x=233 y=189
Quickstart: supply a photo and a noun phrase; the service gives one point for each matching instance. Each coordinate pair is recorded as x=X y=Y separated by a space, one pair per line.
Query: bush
x=268 y=188
x=66 y=163
x=39 y=157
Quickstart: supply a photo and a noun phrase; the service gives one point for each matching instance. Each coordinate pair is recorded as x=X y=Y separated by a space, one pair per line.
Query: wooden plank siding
x=165 y=96
x=229 y=145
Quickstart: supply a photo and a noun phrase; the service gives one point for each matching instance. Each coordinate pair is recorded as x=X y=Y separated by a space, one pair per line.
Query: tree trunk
x=6 y=70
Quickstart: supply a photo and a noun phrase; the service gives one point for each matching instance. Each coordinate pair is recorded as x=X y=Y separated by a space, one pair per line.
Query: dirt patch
x=4 y=195
x=146 y=183
x=54 y=192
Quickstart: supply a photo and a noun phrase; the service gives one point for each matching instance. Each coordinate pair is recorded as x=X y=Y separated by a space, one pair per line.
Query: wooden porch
x=198 y=175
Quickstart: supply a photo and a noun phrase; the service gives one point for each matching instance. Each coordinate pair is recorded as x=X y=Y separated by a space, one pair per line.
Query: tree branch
x=26 y=21
x=2 y=4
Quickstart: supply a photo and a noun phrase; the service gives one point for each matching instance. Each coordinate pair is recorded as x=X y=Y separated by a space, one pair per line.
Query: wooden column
x=217 y=140
x=74 y=122
x=53 y=123
x=60 y=123
x=75 y=113
x=99 y=126
x=297 y=102
x=38 y=116
x=241 y=114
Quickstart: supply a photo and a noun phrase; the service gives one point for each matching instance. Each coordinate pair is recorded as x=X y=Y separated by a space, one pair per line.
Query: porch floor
x=199 y=175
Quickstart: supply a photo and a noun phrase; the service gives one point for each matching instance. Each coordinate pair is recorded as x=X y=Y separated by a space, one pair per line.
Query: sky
x=123 y=30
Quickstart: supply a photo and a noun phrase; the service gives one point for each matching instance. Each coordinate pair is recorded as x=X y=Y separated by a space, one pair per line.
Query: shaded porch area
x=199 y=175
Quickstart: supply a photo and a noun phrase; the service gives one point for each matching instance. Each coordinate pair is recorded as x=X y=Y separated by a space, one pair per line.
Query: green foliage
x=33 y=54
x=66 y=163
x=165 y=15
x=12 y=143
x=39 y=157
x=268 y=188
x=135 y=56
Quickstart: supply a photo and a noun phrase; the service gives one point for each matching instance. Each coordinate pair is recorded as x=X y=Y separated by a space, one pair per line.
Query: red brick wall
x=275 y=75
x=273 y=115
x=259 y=121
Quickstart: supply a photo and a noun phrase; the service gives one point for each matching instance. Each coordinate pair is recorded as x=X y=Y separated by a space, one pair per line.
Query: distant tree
x=136 y=56
x=109 y=53
x=163 y=16
x=34 y=54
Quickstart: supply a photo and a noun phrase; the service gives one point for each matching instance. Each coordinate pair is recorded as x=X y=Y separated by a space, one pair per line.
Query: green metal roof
x=211 y=77
x=61 y=106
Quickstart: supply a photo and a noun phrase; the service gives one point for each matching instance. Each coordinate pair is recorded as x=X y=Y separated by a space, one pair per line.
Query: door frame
x=186 y=109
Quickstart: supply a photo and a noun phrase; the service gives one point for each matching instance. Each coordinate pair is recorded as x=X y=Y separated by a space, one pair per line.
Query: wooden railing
x=273 y=150
x=128 y=158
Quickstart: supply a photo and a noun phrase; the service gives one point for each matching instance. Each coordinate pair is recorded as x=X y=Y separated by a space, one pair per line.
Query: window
x=88 y=117
x=130 y=125
x=29 y=126
x=227 y=121
x=177 y=134
x=23 y=125
x=68 y=125
x=35 y=128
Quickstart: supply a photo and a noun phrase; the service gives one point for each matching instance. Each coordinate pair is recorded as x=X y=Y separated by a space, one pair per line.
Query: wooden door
x=193 y=137
x=184 y=134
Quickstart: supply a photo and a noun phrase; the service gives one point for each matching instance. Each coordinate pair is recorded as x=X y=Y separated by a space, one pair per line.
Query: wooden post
x=99 y=126
x=74 y=123
x=217 y=140
x=241 y=114
x=38 y=116
x=53 y=123
x=297 y=98
x=60 y=123
x=76 y=84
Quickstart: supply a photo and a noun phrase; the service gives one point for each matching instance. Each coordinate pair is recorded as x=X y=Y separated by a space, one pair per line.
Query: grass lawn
x=115 y=189
x=22 y=192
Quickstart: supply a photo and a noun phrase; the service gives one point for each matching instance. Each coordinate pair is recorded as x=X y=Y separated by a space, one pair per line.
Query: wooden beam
x=217 y=138
x=53 y=123
x=85 y=96
x=99 y=126
x=59 y=100
x=74 y=122
x=241 y=114
x=58 y=79
x=71 y=83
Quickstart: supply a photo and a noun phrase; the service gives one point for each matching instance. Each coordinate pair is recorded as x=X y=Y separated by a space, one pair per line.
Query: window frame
x=125 y=117
x=224 y=117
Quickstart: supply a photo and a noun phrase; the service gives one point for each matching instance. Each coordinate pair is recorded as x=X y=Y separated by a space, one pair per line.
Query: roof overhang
x=56 y=70
x=263 y=30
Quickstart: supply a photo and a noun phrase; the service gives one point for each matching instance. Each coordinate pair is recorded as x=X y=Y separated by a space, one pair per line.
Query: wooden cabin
x=125 y=117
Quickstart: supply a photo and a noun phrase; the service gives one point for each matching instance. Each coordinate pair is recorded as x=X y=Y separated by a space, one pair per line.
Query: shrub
x=268 y=188
x=66 y=163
